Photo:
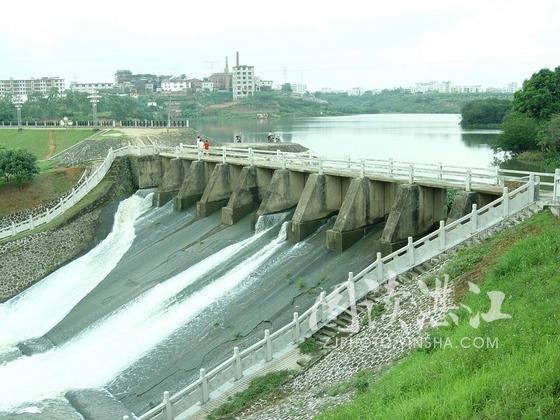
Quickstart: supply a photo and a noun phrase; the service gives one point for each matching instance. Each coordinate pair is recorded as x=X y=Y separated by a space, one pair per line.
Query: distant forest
x=163 y=106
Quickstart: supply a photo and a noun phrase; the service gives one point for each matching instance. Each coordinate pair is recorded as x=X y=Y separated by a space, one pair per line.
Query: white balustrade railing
x=80 y=191
x=447 y=175
x=343 y=298
x=452 y=176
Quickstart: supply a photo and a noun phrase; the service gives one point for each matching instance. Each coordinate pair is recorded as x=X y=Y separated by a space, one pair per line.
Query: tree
x=539 y=98
x=519 y=134
x=18 y=164
x=484 y=112
x=549 y=136
x=286 y=88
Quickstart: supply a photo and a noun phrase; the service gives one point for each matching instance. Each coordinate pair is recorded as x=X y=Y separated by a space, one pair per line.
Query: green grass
x=516 y=372
x=36 y=140
x=47 y=186
x=259 y=387
x=52 y=181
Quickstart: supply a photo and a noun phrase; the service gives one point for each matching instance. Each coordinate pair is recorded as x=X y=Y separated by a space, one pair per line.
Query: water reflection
x=422 y=138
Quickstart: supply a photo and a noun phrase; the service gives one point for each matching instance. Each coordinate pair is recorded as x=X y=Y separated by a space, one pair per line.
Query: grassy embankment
x=52 y=181
x=504 y=368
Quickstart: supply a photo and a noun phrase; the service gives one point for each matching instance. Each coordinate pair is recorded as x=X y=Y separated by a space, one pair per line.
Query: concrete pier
x=193 y=185
x=321 y=198
x=464 y=200
x=174 y=174
x=416 y=211
x=219 y=189
x=247 y=195
x=366 y=203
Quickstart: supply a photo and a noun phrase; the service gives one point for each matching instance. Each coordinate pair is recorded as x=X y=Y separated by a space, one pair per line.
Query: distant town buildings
x=242 y=81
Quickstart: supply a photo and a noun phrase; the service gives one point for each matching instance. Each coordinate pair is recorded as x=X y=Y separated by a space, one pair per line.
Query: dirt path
x=52 y=144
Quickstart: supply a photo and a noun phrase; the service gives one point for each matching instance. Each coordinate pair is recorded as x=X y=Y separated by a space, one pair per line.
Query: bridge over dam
x=411 y=199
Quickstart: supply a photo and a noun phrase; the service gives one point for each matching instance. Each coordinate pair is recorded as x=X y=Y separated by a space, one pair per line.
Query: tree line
x=530 y=121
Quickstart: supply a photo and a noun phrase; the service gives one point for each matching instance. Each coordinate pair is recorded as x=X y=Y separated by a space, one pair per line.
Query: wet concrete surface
x=167 y=243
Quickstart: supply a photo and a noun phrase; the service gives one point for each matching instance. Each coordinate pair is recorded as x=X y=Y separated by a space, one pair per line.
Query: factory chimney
x=226 y=71
x=237 y=59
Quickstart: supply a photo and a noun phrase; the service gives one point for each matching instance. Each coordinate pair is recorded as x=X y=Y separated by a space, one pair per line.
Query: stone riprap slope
x=25 y=261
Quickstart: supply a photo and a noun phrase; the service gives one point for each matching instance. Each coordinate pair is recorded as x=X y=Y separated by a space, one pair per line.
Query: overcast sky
x=340 y=45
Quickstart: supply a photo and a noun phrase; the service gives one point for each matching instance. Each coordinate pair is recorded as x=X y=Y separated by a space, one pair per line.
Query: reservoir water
x=167 y=293
x=423 y=138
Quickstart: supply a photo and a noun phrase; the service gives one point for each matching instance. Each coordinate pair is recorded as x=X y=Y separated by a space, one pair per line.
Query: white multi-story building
x=473 y=89
x=25 y=87
x=207 y=86
x=298 y=88
x=90 y=87
x=174 y=85
x=356 y=91
x=243 y=81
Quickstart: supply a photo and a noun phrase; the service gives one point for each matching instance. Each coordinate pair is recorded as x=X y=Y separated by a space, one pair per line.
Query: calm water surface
x=423 y=138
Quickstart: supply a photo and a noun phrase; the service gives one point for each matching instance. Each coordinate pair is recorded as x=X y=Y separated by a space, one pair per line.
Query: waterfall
x=99 y=353
x=36 y=310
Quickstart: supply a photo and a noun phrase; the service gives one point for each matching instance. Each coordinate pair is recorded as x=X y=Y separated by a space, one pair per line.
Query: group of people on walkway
x=203 y=145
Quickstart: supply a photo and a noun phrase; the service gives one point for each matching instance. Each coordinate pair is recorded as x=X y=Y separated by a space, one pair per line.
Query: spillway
x=162 y=296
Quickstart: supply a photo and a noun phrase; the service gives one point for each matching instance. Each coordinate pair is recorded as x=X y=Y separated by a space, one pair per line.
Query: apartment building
x=243 y=80
x=25 y=87
x=90 y=87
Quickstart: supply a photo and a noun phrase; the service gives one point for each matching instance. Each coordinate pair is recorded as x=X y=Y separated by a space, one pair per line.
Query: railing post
x=410 y=174
x=284 y=161
x=362 y=168
x=251 y=158
x=168 y=406
x=223 y=154
x=537 y=188
x=238 y=368
x=556 y=190
x=410 y=252
x=320 y=166
x=296 y=328
x=351 y=287
x=48 y=211
x=440 y=169
x=441 y=235
x=268 y=346
x=474 y=219
x=468 y=181
x=323 y=298
x=505 y=202
x=531 y=188
x=379 y=262
x=391 y=164
x=204 y=394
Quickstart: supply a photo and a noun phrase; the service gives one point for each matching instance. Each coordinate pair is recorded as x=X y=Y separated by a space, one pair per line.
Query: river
x=423 y=138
